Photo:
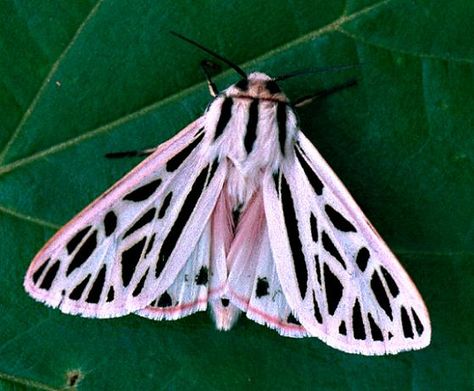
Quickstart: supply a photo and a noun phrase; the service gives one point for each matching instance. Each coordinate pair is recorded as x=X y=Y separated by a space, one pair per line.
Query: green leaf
x=83 y=78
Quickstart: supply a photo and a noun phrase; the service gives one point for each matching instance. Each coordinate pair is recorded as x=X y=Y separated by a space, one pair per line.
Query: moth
x=240 y=212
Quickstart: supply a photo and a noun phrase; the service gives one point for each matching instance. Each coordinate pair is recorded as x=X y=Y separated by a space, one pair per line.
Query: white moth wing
x=129 y=245
x=189 y=291
x=253 y=284
x=340 y=279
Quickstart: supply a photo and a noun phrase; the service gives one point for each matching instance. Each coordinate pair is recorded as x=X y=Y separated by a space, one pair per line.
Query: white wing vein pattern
x=126 y=249
x=343 y=283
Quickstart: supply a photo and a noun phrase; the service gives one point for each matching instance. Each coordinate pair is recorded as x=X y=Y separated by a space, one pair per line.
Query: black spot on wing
x=380 y=294
x=38 y=273
x=251 y=132
x=314 y=227
x=262 y=287
x=375 y=329
x=165 y=205
x=143 y=192
x=362 y=258
x=406 y=324
x=291 y=319
x=331 y=249
x=164 y=300
x=316 y=311
x=79 y=289
x=418 y=325
x=110 y=223
x=392 y=285
x=281 y=122
x=140 y=285
x=94 y=294
x=83 y=253
x=130 y=258
x=224 y=118
x=313 y=179
x=342 y=328
x=183 y=216
x=272 y=87
x=357 y=323
x=334 y=289
x=296 y=247
x=338 y=220
x=318 y=268
x=181 y=156
x=141 y=222
x=110 y=294
x=390 y=335
x=276 y=180
x=76 y=239
x=50 y=276
x=203 y=276
x=150 y=244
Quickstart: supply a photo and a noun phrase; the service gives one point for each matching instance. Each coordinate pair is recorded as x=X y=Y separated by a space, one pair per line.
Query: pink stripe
x=181 y=307
x=177 y=308
x=267 y=318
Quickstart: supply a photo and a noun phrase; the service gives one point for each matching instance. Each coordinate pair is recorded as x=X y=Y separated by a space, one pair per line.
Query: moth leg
x=122 y=154
x=305 y=100
x=207 y=67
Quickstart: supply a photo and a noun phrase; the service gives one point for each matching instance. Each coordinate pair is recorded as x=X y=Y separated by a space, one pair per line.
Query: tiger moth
x=240 y=212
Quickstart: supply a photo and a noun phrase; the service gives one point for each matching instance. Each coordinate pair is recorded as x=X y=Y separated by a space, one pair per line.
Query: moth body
x=252 y=126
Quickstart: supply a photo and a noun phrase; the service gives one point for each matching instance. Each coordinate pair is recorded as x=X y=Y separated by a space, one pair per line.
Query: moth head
x=257 y=85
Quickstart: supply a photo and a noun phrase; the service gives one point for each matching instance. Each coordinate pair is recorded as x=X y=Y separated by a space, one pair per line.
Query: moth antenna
x=303 y=72
x=212 y=53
